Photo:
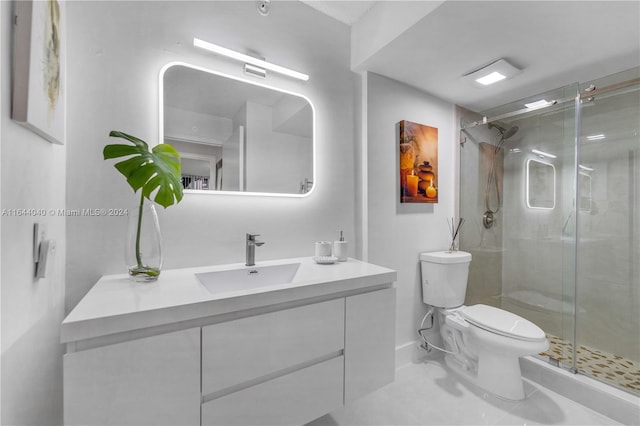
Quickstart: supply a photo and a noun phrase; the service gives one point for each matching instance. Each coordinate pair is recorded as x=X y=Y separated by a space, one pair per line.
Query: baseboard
x=404 y=354
x=412 y=353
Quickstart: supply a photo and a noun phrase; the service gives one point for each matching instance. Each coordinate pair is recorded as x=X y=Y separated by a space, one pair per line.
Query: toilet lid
x=502 y=322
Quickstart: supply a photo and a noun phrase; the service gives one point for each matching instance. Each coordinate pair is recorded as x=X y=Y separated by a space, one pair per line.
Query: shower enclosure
x=550 y=193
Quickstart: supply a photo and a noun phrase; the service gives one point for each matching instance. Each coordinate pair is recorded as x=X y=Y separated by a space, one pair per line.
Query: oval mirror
x=236 y=136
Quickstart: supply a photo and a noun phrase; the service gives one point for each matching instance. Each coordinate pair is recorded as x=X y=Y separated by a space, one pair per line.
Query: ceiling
x=553 y=43
x=347 y=12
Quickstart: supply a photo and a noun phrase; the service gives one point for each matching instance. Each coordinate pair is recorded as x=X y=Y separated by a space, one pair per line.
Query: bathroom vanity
x=178 y=351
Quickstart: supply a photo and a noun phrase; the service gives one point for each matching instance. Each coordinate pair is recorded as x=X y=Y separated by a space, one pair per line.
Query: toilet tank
x=444 y=278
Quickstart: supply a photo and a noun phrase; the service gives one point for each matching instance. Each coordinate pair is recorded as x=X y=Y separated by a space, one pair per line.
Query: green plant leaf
x=157 y=171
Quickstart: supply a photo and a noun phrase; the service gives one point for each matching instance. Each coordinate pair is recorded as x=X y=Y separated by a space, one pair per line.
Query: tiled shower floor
x=610 y=368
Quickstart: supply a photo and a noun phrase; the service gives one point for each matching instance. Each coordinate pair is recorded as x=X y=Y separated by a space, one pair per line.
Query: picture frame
x=39 y=68
x=418 y=162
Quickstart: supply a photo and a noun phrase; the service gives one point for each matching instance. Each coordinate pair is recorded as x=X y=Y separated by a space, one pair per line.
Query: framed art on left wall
x=39 y=68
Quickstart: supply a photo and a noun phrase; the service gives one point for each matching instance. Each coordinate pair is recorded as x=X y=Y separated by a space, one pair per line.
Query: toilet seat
x=502 y=322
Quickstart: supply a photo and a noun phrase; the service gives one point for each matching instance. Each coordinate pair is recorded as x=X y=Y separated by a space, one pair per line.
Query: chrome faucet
x=251 y=244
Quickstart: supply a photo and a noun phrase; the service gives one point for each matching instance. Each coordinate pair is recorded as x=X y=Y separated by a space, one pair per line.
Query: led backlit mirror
x=585 y=192
x=540 y=185
x=235 y=135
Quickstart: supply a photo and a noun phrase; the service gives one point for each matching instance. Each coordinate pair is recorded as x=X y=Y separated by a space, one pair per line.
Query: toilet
x=482 y=343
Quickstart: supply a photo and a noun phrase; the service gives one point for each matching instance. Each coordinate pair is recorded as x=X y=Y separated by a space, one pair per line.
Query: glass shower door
x=551 y=199
x=524 y=256
x=608 y=224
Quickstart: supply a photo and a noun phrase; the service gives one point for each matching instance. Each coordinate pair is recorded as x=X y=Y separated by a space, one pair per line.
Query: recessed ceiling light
x=496 y=71
x=494 y=77
x=539 y=104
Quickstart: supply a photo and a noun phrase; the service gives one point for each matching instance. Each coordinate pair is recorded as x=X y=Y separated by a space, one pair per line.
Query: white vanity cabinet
x=281 y=361
x=283 y=367
x=148 y=381
x=370 y=331
x=244 y=350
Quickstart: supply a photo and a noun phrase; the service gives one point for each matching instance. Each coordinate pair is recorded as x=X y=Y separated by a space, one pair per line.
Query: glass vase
x=143 y=250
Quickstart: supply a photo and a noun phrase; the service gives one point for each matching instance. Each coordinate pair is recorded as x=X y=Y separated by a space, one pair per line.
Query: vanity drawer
x=292 y=399
x=246 y=349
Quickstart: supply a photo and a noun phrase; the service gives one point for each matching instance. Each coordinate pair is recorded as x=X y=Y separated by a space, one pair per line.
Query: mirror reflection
x=236 y=135
x=540 y=185
x=585 y=191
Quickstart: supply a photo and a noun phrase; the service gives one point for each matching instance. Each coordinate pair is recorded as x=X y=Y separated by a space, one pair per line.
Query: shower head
x=505 y=132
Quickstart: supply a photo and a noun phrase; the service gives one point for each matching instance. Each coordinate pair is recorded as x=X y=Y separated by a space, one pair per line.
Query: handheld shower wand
x=506 y=132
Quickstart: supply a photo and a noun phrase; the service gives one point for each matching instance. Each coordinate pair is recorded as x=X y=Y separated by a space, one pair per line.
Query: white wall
x=116 y=52
x=33 y=177
x=398 y=233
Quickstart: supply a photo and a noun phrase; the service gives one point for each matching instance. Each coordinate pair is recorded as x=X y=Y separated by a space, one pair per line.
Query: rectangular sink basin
x=248 y=278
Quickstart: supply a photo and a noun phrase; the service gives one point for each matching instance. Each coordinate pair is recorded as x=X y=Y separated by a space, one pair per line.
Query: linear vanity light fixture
x=496 y=71
x=543 y=154
x=595 y=137
x=248 y=59
x=255 y=71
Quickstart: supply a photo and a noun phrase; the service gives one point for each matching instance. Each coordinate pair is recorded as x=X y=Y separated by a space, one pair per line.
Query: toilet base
x=499 y=375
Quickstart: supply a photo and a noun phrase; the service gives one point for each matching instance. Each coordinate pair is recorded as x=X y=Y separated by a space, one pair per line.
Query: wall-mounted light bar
x=543 y=154
x=255 y=71
x=248 y=59
x=595 y=137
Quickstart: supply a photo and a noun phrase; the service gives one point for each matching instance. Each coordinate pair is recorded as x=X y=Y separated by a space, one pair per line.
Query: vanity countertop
x=116 y=304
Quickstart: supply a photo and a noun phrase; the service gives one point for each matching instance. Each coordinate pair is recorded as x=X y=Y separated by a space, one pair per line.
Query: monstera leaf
x=156 y=171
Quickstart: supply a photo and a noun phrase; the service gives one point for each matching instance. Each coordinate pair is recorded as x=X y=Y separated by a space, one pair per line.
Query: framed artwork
x=39 y=68
x=418 y=151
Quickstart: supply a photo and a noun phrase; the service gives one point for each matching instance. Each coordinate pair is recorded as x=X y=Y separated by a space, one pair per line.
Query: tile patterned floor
x=610 y=368
x=428 y=393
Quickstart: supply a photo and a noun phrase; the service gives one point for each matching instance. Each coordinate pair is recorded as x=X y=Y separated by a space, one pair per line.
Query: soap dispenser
x=340 y=248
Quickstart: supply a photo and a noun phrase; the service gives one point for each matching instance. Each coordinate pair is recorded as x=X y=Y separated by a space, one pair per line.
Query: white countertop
x=116 y=304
